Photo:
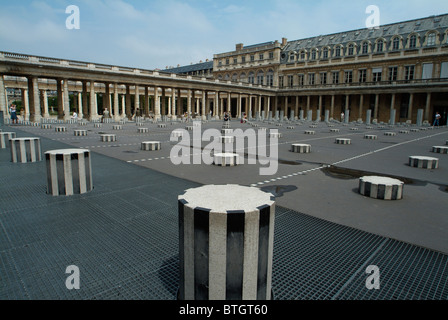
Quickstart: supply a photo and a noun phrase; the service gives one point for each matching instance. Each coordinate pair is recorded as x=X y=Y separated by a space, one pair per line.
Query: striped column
x=108 y=138
x=150 y=145
x=343 y=141
x=382 y=188
x=4 y=139
x=226 y=247
x=161 y=125
x=142 y=130
x=440 y=149
x=69 y=172
x=25 y=150
x=301 y=148
x=310 y=132
x=423 y=162
x=226 y=159
x=370 y=137
x=60 y=129
x=80 y=133
x=117 y=127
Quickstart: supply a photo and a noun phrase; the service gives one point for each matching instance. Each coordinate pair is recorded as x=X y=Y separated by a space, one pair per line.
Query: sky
x=155 y=34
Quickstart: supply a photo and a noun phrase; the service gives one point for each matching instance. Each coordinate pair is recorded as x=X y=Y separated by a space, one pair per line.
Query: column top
x=224 y=198
x=67 y=151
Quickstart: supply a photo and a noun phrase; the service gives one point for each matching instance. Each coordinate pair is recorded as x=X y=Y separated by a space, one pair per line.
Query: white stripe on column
x=189 y=252
x=22 y=151
x=250 y=265
x=82 y=173
x=217 y=255
x=54 y=175
x=68 y=174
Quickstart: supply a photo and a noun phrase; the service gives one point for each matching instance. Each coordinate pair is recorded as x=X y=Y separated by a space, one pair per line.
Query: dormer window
x=413 y=41
x=351 y=49
x=396 y=44
x=431 y=41
x=365 y=48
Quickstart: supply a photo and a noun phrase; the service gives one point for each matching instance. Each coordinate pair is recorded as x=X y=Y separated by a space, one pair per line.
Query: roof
x=191 y=68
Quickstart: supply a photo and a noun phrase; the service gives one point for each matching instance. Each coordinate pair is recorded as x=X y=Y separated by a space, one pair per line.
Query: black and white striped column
x=108 y=138
x=301 y=148
x=69 y=172
x=25 y=150
x=151 y=145
x=382 y=188
x=423 y=162
x=226 y=237
x=4 y=139
x=80 y=133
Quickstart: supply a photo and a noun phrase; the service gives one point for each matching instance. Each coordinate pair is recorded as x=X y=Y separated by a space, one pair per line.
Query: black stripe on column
x=381 y=191
x=263 y=251
x=235 y=255
x=181 y=293
x=201 y=253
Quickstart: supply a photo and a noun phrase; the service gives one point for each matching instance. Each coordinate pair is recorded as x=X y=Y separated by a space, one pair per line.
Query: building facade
x=394 y=71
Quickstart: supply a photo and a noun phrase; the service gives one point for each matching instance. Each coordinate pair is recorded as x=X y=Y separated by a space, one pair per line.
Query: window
x=431 y=39
x=252 y=58
x=348 y=76
x=313 y=54
x=301 y=80
x=220 y=64
x=260 y=78
x=280 y=82
x=311 y=79
x=270 y=78
x=338 y=51
x=393 y=72
x=409 y=73
x=261 y=56
x=362 y=75
x=396 y=44
x=302 y=55
x=291 y=81
x=444 y=70
x=323 y=78
x=335 y=77
x=413 y=41
x=227 y=61
x=325 y=53
x=365 y=48
x=271 y=55
x=251 y=78
x=291 y=56
x=235 y=61
x=377 y=74
x=243 y=59
x=427 y=71
x=379 y=46
x=351 y=50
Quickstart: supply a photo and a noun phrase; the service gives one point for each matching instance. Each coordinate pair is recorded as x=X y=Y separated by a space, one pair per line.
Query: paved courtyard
x=124 y=236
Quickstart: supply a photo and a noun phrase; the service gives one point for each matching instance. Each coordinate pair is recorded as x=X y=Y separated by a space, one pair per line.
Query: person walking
x=437 y=119
x=13 y=112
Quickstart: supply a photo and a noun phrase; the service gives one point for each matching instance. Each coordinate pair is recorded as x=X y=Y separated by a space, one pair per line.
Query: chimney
x=284 y=42
x=239 y=47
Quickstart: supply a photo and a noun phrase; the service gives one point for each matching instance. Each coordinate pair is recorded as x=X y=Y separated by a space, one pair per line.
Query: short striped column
x=277 y=135
x=142 y=130
x=45 y=126
x=80 y=133
x=404 y=131
x=313 y=126
x=354 y=129
x=423 y=162
x=226 y=126
x=108 y=137
x=390 y=134
x=177 y=134
x=189 y=128
x=117 y=127
x=370 y=137
x=334 y=130
x=60 y=129
x=415 y=130
x=226 y=159
x=4 y=139
x=290 y=127
x=226 y=139
x=310 y=132
x=343 y=141
x=301 y=148
x=226 y=246
x=382 y=188
x=440 y=149
x=161 y=125
x=151 y=145
x=226 y=131
x=24 y=150
x=69 y=172
x=279 y=125
x=97 y=125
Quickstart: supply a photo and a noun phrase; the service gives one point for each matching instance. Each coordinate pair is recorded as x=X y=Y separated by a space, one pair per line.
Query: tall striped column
x=25 y=150
x=226 y=238
x=69 y=172
x=5 y=137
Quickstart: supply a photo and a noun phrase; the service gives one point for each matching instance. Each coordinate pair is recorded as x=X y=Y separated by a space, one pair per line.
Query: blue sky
x=159 y=33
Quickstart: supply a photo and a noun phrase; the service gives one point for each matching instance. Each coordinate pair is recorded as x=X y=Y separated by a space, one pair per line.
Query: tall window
x=281 y=83
x=243 y=59
x=365 y=48
x=431 y=39
x=260 y=78
x=290 y=81
x=362 y=75
x=348 y=76
x=271 y=55
x=325 y=53
x=291 y=57
x=379 y=46
x=311 y=79
x=301 y=80
x=302 y=55
x=413 y=41
x=409 y=72
x=338 y=51
x=396 y=44
x=351 y=49
x=313 y=54
x=335 y=75
x=261 y=56
x=251 y=78
x=252 y=58
x=377 y=74
x=393 y=72
x=323 y=78
x=270 y=78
